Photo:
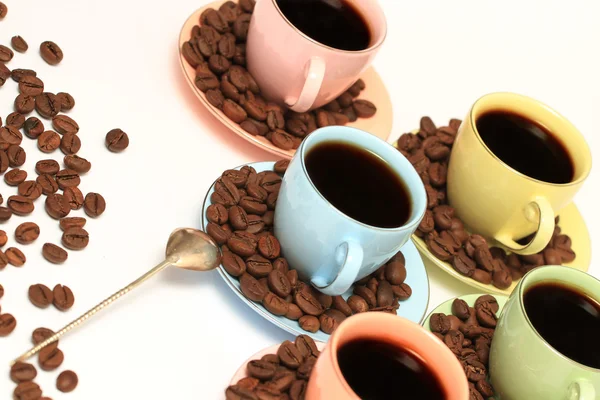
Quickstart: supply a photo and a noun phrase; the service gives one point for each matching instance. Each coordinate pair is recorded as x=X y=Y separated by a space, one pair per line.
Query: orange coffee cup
x=327 y=381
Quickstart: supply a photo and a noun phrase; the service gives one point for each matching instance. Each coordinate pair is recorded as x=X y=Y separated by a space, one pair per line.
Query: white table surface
x=184 y=334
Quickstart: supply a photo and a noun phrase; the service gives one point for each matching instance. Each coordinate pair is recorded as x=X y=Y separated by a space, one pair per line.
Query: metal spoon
x=187 y=248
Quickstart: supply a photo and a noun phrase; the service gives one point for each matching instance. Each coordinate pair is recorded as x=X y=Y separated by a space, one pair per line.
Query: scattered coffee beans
x=27 y=232
x=278 y=376
x=3 y=10
x=15 y=257
x=22 y=372
x=444 y=233
x=50 y=358
x=217 y=50
x=72 y=222
x=67 y=381
x=94 y=204
x=27 y=390
x=41 y=334
x=8 y=323
x=468 y=333
x=75 y=238
x=40 y=295
x=243 y=226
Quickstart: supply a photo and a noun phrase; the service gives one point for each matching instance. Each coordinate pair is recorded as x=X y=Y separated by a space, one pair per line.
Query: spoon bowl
x=192 y=249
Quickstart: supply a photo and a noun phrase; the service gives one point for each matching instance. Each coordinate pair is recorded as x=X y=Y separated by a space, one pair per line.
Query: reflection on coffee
x=526 y=146
x=359 y=183
x=380 y=371
x=567 y=319
x=335 y=23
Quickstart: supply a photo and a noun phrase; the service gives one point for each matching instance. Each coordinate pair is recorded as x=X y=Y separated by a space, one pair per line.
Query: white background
x=184 y=333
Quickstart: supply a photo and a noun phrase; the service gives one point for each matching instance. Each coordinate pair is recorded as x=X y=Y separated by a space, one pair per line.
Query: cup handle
x=543 y=234
x=312 y=85
x=581 y=390
x=349 y=256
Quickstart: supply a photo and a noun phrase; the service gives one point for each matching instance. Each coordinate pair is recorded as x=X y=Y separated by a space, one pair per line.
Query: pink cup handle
x=314 y=78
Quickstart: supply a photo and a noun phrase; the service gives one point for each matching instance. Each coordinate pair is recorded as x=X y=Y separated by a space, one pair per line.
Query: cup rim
x=472 y=121
x=521 y=292
x=410 y=223
x=366 y=318
x=372 y=47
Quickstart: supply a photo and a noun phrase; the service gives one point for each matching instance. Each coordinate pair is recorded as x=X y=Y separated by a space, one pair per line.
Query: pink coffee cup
x=293 y=69
x=327 y=381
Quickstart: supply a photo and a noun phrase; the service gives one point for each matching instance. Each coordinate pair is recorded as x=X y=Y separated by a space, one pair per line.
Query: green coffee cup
x=522 y=364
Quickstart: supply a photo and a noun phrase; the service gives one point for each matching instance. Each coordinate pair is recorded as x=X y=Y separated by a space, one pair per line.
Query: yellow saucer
x=379 y=125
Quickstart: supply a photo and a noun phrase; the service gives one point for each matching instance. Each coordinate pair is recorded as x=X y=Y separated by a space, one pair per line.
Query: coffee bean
x=68 y=178
x=27 y=233
x=8 y=323
x=67 y=381
x=501 y=278
x=16 y=155
x=460 y=308
x=482 y=276
x=364 y=108
x=75 y=238
x=70 y=144
x=282 y=139
x=57 y=206
x=205 y=78
x=63 y=297
x=463 y=263
x=24 y=104
x=47 y=105
x=5 y=214
x=48 y=141
x=40 y=335
x=51 y=53
x=441 y=248
x=117 y=140
x=4 y=73
x=275 y=304
x=20 y=205
x=22 y=372
x=215 y=97
x=14 y=177
x=15 y=257
x=72 y=222
x=31 y=85
x=54 y=253
x=269 y=247
x=74 y=197
x=64 y=124
x=27 y=391
x=241 y=26
x=289 y=355
x=487 y=301
x=217 y=213
x=6 y=54
x=440 y=323
x=258 y=267
x=78 y=164
x=19 y=73
x=48 y=184
x=366 y=294
x=357 y=304
x=308 y=303
x=233 y=264
x=33 y=127
x=252 y=205
x=294 y=312
x=191 y=54
x=251 y=288
x=3 y=10
x=40 y=295
x=10 y=135
x=217 y=233
x=233 y=111
x=279 y=283
x=67 y=102
x=15 y=120
x=50 y=358
x=3 y=162
x=262 y=370
x=385 y=295
x=238 y=218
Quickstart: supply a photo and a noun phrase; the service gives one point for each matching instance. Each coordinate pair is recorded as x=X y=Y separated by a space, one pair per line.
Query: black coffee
x=359 y=183
x=380 y=371
x=567 y=319
x=526 y=146
x=335 y=23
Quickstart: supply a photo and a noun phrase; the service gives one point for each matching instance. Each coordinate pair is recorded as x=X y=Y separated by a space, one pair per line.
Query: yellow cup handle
x=581 y=390
x=543 y=234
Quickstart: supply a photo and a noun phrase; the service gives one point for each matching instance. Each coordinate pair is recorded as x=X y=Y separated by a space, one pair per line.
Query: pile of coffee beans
x=49 y=359
x=445 y=234
x=283 y=375
x=241 y=220
x=217 y=50
x=468 y=333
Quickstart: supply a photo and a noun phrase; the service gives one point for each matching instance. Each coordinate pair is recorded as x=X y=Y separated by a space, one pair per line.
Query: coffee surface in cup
x=567 y=319
x=359 y=183
x=335 y=23
x=526 y=146
x=377 y=371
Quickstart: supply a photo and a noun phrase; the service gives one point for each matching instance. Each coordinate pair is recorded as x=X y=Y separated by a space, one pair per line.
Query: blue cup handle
x=349 y=256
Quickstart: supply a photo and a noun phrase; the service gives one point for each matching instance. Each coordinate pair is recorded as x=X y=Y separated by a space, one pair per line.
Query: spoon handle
x=90 y=313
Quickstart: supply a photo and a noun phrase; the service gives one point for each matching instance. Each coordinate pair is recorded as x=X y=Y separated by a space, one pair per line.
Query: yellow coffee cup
x=496 y=200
